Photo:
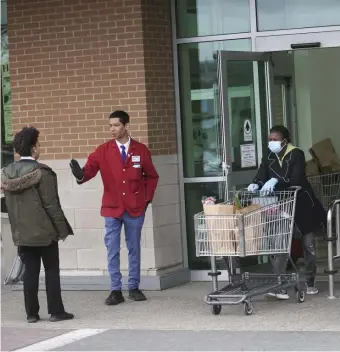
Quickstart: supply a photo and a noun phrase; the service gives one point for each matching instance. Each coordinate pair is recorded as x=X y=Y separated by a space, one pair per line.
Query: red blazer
x=128 y=186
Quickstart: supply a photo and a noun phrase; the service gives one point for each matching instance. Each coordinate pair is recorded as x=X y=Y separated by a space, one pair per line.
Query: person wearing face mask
x=282 y=168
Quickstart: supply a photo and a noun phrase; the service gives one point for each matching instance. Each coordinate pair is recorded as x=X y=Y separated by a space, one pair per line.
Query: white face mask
x=275 y=146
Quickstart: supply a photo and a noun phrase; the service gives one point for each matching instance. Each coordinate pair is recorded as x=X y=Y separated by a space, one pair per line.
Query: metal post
x=330 y=253
x=214 y=273
x=331 y=240
x=337 y=243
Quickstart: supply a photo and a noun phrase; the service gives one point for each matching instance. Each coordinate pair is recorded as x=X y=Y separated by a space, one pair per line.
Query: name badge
x=136 y=166
x=135 y=158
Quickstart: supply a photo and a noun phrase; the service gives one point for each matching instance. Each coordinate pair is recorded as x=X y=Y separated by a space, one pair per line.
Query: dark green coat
x=34 y=210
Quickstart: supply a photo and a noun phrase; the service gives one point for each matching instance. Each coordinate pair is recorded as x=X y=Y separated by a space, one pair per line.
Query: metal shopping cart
x=326 y=188
x=261 y=225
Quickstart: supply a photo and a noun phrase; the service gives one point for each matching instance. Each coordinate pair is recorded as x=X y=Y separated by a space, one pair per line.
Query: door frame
x=328 y=37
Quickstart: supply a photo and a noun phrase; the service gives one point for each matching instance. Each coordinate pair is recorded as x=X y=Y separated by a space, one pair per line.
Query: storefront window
x=200 y=114
x=201 y=17
x=3 y=12
x=6 y=113
x=289 y=14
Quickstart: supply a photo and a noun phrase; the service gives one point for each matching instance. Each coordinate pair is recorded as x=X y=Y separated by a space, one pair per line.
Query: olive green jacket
x=32 y=200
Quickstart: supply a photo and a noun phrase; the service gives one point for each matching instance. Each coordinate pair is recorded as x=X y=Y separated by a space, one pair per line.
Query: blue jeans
x=133 y=232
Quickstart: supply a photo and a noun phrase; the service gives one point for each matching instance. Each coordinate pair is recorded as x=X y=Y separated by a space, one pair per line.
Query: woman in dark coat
x=285 y=167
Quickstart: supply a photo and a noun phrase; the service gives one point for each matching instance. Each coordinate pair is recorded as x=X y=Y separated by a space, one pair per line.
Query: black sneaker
x=136 y=295
x=114 y=298
x=33 y=319
x=60 y=317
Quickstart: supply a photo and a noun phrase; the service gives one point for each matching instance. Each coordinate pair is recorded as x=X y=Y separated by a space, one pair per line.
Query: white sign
x=248 y=155
x=247 y=131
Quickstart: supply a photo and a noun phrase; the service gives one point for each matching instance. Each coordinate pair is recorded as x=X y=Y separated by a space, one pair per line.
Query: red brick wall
x=159 y=74
x=73 y=62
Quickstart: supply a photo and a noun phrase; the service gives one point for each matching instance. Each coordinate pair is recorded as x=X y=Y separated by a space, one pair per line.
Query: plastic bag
x=17 y=272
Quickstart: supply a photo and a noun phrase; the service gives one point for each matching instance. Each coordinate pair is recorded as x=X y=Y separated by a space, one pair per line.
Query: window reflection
x=289 y=14
x=7 y=155
x=200 y=112
x=203 y=17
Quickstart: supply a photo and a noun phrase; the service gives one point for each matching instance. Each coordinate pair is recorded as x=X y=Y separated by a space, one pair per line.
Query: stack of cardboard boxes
x=325 y=160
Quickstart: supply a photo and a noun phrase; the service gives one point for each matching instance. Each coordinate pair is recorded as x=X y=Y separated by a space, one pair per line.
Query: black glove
x=77 y=171
x=147 y=204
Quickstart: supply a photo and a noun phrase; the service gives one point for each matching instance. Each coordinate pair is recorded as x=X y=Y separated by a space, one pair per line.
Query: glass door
x=245 y=83
x=231 y=117
x=242 y=110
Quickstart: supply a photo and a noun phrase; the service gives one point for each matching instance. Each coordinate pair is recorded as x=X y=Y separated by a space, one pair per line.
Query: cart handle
x=291 y=188
x=295 y=188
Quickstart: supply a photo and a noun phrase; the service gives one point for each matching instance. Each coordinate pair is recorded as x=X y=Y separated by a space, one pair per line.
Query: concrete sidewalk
x=181 y=308
x=174 y=319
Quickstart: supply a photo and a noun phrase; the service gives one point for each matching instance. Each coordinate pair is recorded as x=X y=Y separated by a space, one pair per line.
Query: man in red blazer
x=130 y=180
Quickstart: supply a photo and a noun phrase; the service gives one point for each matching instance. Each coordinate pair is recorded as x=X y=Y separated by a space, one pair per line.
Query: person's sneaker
x=136 y=295
x=60 y=317
x=114 y=298
x=33 y=319
x=279 y=294
x=311 y=289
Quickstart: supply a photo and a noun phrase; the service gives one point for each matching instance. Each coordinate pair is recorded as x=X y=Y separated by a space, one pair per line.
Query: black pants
x=308 y=243
x=31 y=257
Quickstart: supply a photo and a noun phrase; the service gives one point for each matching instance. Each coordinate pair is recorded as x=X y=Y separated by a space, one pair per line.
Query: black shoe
x=33 y=319
x=136 y=295
x=60 y=317
x=310 y=282
x=115 y=298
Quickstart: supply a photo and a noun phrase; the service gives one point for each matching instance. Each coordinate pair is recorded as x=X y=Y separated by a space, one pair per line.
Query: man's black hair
x=282 y=130
x=25 y=140
x=123 y=116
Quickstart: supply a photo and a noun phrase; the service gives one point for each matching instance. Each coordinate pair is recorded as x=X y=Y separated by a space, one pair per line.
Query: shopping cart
x=326 y=188
x=267 y=229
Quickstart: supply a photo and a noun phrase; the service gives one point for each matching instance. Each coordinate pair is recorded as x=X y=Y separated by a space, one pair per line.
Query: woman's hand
x=269 y=186
x=253 y=187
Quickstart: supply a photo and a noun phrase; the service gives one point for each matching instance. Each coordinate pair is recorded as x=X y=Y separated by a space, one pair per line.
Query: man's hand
x=76 y=170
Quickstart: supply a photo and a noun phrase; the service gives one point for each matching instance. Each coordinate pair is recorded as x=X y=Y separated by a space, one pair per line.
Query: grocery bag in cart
x=222 y=227
x=220 y=224
x=253 y=229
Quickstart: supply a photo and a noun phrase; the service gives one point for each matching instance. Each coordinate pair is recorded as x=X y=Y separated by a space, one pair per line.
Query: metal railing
x=333 y=239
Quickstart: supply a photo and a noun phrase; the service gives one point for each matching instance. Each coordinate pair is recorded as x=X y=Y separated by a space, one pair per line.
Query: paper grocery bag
x=220 y=224
x=325 y=157
x=253 y=229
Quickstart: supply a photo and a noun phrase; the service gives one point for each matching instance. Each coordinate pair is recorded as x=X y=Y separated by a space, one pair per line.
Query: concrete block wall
x=84 y=254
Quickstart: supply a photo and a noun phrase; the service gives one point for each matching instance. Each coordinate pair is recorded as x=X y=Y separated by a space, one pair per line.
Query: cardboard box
x=312 y=168
x=325 y=157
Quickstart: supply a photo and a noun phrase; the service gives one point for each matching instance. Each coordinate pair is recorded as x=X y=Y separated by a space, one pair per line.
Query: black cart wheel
x=300 y=296
x=216 y=309
x=248 y=307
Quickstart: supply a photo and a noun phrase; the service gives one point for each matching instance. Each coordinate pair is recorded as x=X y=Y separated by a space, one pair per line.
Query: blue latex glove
x=269 y=186
x=253 y=187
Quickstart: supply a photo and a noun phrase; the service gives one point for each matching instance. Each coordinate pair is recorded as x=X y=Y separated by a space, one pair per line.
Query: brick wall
x=159 y=75
x=73 y=62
